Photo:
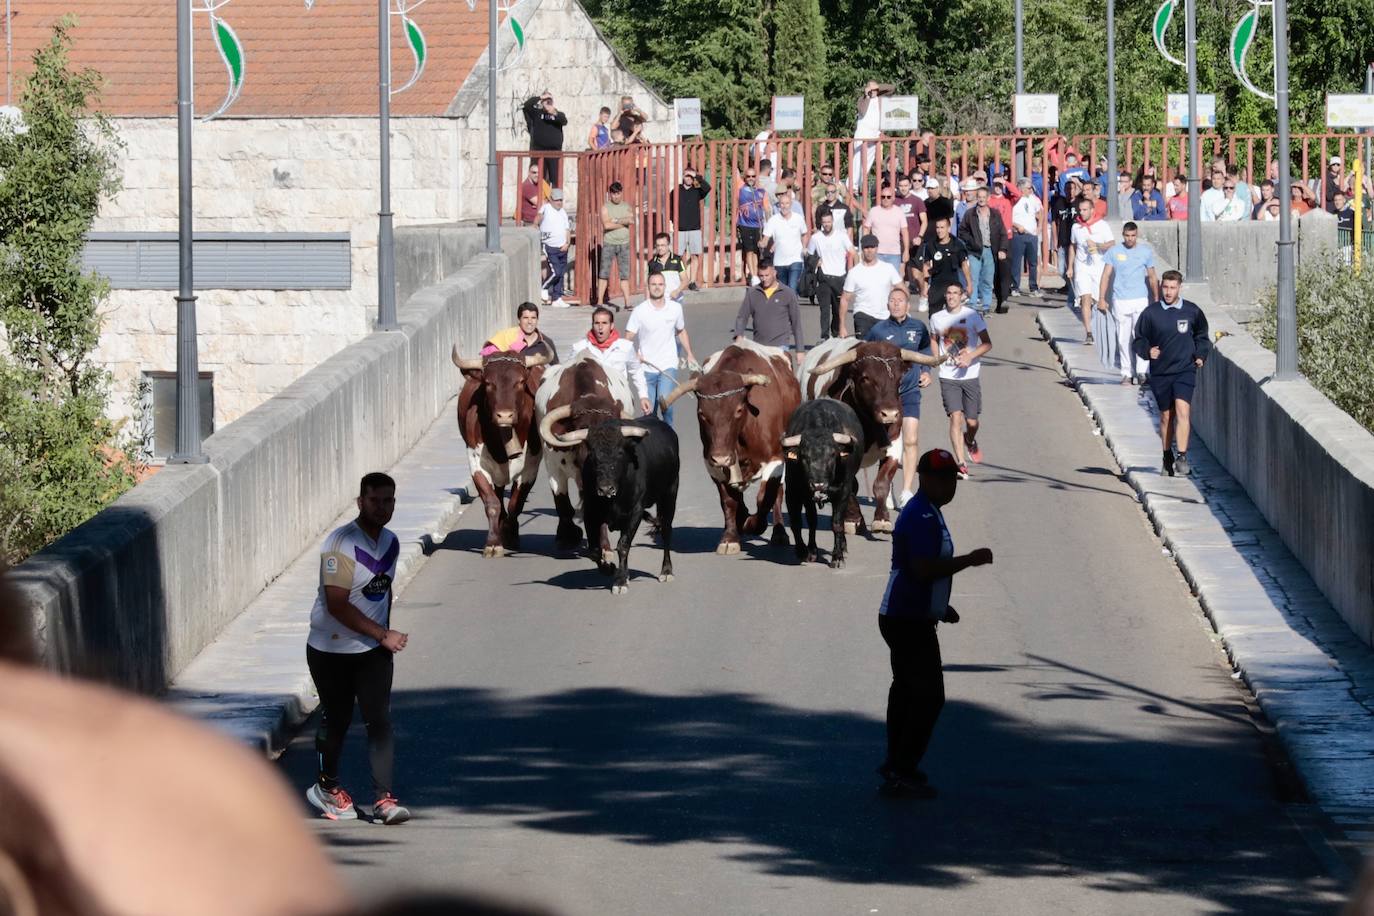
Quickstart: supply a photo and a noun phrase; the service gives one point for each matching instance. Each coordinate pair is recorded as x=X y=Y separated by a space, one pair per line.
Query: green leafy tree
x=797 y=57
x=59 y=460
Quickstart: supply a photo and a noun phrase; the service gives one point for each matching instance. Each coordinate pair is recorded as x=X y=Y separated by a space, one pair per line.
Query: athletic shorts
x=913 y=256
x=689 y=241
x=909 y=390
x=621 y=255
x=748 y=238
x=962 y=395
x=1177 y=386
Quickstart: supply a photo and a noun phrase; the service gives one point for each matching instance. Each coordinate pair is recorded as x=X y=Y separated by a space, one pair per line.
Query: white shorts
x=689 y=242
x=1087 y=281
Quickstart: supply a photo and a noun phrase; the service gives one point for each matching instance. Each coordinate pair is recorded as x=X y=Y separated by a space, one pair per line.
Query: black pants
x=549 y=165
x=828 y=292
x=340 y=678
x=863 y=323
x=917 y=693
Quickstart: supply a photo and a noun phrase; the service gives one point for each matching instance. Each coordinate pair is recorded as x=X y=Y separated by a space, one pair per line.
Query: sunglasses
x=887 y=197
x=1229 y=187
x=750 y=177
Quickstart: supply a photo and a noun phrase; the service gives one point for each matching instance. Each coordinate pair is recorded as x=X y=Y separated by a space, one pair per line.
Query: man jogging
x=908 y=334
x=945 y=260
x=616 y=354
x=866 y=288
x=836 y=254
x=774 y=311
x=1172 y=333
x=914 y=603
x=1130 y=277
x=350 y=648
x=961 y=335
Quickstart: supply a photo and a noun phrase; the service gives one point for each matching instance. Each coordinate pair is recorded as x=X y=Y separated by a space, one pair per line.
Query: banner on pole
x=1176 y=114
x=898 y=113
x=687 y=114
x=1350 y=111
x=1035 y=112
x=789 y=112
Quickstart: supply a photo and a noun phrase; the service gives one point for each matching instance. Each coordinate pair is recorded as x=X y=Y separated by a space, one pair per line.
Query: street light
x=1193 y=266
x=493 y=198
x=386 y=245
x=1113 y=196
x=188 y=449
x=1286 y=332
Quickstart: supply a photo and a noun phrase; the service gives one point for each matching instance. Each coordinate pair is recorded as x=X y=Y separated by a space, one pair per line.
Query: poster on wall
x=898 y=113
x=1177 y=113
x=1350 y=111
x=687 y=112
x=789 y=112
x=1035 y=112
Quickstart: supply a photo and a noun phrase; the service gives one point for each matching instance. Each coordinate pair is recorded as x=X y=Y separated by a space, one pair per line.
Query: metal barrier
x=651 y=173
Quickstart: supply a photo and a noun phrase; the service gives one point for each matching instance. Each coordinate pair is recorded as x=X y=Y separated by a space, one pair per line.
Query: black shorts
x=913 y=256
x=748 y=238
x=1177 y=386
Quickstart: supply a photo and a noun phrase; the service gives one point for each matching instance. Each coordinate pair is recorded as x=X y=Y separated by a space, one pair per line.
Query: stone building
x=286 y=178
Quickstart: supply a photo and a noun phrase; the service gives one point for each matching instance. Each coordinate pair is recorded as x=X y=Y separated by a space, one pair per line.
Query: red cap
x=937 y=461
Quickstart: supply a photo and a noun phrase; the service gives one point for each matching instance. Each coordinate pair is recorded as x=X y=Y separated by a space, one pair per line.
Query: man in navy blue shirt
x=1172 y=334
x=908 y=333
x=915 y=602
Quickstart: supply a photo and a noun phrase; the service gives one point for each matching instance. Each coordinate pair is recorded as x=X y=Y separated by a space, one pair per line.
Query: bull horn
x=536 y=359
x=633 y=432
x=546 y=426
x=842 y=438
x=679 y=391
x=755 y=378
x=791 y=441
x=912 y=356
x=831 y=365
x=467 y=365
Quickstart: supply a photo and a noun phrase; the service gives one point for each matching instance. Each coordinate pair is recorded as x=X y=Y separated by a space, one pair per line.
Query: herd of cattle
x=804 y=434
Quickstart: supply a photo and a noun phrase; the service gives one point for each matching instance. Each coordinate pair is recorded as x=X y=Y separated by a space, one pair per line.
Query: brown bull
x=867 y=378
x=496 y=419
x=744 y=400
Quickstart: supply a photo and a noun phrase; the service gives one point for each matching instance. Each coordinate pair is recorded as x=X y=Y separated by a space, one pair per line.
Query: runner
x=1130 y=277
x=615 y=354
x=786 y=235
x=1173 y=334
x=955 y=330
x=945 y=260
x=774 y=312
x=908 y=334
x=350 y=651
x=866 y=288
x=524 y=338
x=656 y=327
x=1091 y=237
x=836 y=254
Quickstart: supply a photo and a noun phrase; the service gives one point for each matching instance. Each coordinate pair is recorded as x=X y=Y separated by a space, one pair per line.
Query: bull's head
x=874 y=372
x=611 y=450
x=507 y=379
x=822 y=456
x=722 y=403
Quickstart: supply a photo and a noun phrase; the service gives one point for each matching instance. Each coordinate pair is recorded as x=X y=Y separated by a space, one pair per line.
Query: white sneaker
x=753 y=281
x=903 y=498
x=923 y=304
x=560 y=304
x=544 y=295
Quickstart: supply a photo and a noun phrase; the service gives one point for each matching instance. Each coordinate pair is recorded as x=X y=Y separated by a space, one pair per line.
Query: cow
x=865 y=375
x=745 y=396
x=496 y=420
x=628 y=466
x=823 y=448
x=574 y=396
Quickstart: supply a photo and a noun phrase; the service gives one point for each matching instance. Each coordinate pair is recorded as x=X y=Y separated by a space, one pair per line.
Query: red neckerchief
x=1095 y=219
x=610 y=339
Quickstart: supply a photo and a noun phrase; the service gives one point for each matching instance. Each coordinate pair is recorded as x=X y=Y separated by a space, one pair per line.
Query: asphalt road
x=707 y=745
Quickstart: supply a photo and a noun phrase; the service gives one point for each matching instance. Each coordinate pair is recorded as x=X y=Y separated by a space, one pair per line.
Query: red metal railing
x=650 y=173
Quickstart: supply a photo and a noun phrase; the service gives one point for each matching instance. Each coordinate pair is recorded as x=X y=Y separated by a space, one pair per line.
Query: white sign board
x=898 y=113
x=1035 y=112
x=1350 y=111
x=1177 y=112
x=687 y=112
x=789 y=112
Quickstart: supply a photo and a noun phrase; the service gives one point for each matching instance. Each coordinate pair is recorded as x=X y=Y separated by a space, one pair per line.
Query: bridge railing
x=651 y=173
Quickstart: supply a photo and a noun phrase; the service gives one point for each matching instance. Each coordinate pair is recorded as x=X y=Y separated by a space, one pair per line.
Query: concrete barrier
x=134 y=594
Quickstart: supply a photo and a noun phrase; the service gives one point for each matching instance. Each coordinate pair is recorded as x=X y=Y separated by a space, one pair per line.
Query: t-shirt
x=1085 y=238
x=672 y=269
x=832 y=250
x=955 y=331
x=655 y=331
x=352 y=560
x=1178 y=206
x=554 y=223
x=750 y=207
x=1129 y=268
x=786 y=233
x=619 y=213
x=912 y=208
x=871 y=284
x=887 y=224
x=530 y=191
x=945 y=260
x=920 y=531
x=1025 y=214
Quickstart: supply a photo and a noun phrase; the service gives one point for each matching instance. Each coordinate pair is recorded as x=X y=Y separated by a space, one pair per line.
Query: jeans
x=1025 y=250
x=982 y=267
x=917 y=693
x=340 y=678
x=828 y=292
x=661 y=384
x=894 y=259
x=558 y=267
x=789 y=275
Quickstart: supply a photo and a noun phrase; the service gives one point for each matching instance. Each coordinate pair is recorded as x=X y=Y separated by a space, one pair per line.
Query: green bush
x=1335 y=334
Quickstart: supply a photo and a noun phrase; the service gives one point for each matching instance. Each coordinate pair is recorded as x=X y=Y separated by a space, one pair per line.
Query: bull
x=571 y=397
x=866 y=375
x=627 y=467
x=744 y=398
x=496 y=420
x=823 y=448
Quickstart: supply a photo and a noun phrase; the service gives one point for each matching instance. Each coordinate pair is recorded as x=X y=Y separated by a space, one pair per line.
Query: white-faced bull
x=823 y=448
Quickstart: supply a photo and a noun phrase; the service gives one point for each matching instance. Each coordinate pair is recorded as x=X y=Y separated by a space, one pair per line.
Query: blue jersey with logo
x=920 y=531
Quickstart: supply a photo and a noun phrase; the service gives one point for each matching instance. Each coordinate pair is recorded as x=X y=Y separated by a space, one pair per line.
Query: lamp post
x=1113 y=202
x=386 y=245
x=493 y=197
x=1017 y=165
x=1287 y=325
x=188 y=449
x=1193 y=262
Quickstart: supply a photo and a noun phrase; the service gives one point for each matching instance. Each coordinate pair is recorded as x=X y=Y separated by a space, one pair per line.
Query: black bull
x=823 y=449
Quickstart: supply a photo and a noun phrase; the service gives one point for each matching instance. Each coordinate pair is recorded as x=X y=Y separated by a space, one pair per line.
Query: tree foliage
x=58 y=460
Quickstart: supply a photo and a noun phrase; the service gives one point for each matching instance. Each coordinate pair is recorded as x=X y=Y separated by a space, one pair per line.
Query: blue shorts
x=909 y=390
x=1177 y=386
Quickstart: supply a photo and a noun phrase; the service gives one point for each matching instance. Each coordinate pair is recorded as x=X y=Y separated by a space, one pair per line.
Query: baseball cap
x=556 y=194
x=937 y=461
x=932 y=182
x=1335 y=160
x=868 y=241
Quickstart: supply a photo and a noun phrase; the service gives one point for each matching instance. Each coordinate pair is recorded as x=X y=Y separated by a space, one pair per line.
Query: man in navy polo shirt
x=909 y=334
x=915 y=602
x=1172 y=334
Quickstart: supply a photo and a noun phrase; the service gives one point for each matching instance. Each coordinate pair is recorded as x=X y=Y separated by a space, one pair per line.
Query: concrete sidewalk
x=1312 y=677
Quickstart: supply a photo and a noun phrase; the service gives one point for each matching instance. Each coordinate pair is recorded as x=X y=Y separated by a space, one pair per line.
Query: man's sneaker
x=1181 y=468
x=560 y=304
x=692 y=287
x=1169 y=463
x=753 y=281
x=974 y=451
x=923 y=304
x=903 y=498
x=544 y=295
x=963 y=472
x=389 y=811
x=1037 y=292
x=334 y=803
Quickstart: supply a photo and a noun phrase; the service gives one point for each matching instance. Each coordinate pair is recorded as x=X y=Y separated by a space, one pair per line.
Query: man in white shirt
x=961 y=334
x=786 y=232
x=1091 y=238
x=1027 y=223
x=615 y=353
x=554 y=230
x=866 y=288
x=836 y=253
x=656 y=327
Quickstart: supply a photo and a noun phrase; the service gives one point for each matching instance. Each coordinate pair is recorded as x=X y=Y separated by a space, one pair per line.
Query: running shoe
x=560 y=304
x=903 y=498
x=923 y=304
x=389 y=811
x=1181 y=468
x=1037 y=292
x=692 y=287
x=974 y=451
x=1169 y=463
x=334 y=803
x=963 y=472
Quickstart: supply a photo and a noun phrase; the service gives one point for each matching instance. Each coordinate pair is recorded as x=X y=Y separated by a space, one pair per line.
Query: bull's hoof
x=493 y=550
x=609 y=556
x=752 y=525
x=665 y=577
x=837 y=562
x=779 y=538
x=568 y=538
x=725 y=548
x=620 y=588
x=851 y=527
x=882 y=524
x=805 y=555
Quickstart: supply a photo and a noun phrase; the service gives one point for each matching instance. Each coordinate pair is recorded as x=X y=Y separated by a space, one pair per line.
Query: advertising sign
x=1177 y=113
x=688 y=115
x=789 y=112
x=1035 y=112
x=898 y=113
x=1350 y=111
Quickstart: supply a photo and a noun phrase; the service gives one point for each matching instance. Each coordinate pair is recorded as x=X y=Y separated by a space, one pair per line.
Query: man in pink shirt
x=1177 y=205
x=888 y=223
